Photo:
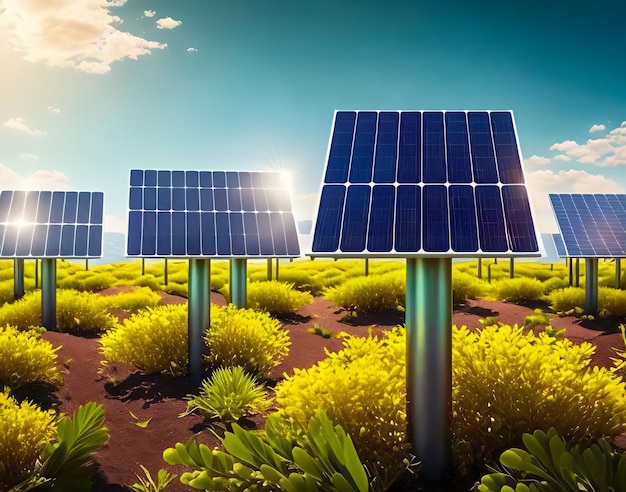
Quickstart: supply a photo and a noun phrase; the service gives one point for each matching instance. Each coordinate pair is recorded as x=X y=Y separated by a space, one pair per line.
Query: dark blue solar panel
x=458 y=187
x=591 y=225
x=40 y=224
x=560 y=245
x=203 y=213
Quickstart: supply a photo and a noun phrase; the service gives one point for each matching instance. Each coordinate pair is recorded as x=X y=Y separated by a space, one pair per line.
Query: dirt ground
x=161 y=398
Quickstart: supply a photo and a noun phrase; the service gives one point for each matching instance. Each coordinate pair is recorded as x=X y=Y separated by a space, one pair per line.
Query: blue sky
x=93 y=88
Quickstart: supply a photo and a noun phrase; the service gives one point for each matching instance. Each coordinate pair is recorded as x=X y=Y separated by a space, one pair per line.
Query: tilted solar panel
x=424 y=183
x=591 y=225
x=560 y=245
x=228 y=214
x=51 y=224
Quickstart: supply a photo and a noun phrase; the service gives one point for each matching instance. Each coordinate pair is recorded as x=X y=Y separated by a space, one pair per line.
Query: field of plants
x=305 y=388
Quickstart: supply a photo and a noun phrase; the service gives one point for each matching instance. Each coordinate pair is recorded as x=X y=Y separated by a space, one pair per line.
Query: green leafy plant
x=139 y=298
x=149 y=484
x=369 y=294
x=81 y=312
x=507 y=381
x=520 y=289
x=537 y=318
x=26 y=358
x=281 y=458
x=549 y=464
x=154 y=340
x=24 y=314
x=229 y=394
x=567 y=299
x=611 y=302
x=362 y=388
x=466 y=286
x=276 y=297
x=246 y=338
x=321 y=331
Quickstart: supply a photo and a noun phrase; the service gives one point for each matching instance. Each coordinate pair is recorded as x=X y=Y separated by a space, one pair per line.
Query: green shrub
x=537 y=318
x=466 y=286
x=506 y=382
x=140 y=298
x=279 y=458
x=276 y=297
x=24 y=314
x=149 y=484
x=229 y=394
x=26 y=358
x=24 y=431
x=554 y=283
x=301 y=280
x=369 y=294
x=7 y=291
x=567 y=298
x=247 y=338
x=218 y=282
x=611 y=302
x=363 y=389
x=521 y=289
x=81 y=312
x=550 y=464
x=149 y=281
x=181 y=290
x=154 y=340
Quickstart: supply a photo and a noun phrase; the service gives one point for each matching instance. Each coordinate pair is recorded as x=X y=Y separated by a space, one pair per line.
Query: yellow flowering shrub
x=140 y=298
x=24 y=313
x=246 y=338
x=369 y=294
x=24 y=431
x=276 y=297
x=26 y=358
x=153 y=340
x=362 y=388
x=520 y=289
x=507 y=382
x=82 y=312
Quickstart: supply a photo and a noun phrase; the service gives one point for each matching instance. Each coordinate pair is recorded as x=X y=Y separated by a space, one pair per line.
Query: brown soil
x=161 y=398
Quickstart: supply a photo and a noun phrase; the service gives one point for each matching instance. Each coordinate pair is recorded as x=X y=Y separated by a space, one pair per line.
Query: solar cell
x=51 y=224
x=424 y=183
x=210 y=214
x=560 y=245
x=591 y=225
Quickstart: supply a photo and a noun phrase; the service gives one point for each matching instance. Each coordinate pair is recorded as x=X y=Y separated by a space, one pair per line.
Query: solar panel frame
x=433 y=149
x=210 y=214
x=592 y=225
x=51 y=224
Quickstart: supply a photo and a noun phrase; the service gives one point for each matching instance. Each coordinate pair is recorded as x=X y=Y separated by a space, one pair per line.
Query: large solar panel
x=560 y=245
x=51 y=224
x=424 y=183
x=210 y=214
x=592 y=225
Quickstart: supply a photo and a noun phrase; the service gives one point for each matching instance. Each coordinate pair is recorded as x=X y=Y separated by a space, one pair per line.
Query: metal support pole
x=86 y=264
x=618 y=273
x=269 y=269
x=18 y=278
x=429 y=362
x=199 y=305
x=577 y=272
x=591 y=285
x=367 y=267
x=571 y=271
x=165 y=279
x=49 y=293
x=238 y=288
x=489 y=273
x=512 y=268
x=277 y=268
x=480 y=268
x=36 y=274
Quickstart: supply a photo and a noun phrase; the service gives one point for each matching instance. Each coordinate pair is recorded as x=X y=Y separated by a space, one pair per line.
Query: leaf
x=143 y=424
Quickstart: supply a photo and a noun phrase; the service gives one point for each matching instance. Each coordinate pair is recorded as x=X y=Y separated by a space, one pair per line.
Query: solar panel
x=424 y=183
x=51 y=224
x=591 y=225
x=228 y=214
x=560 y=245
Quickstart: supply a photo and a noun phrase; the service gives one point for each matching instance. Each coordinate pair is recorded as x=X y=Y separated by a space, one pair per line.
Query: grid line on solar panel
x=591 y=225
x=51 y=224
x=427 y=183
x=210 y=213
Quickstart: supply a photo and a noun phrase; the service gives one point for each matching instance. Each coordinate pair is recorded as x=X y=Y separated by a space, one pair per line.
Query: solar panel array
x=591 y=225
x=51 y=224
x=424 y=183
x=560 y=245
x=210 y=214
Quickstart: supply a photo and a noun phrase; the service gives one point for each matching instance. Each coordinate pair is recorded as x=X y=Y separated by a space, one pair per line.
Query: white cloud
x=20 y=125
x=39 y=180
x=113 y=223
x=79 y=34
x=149 y=13
x=597 y=128
x=168 y=23
x=607 y=151
x=192 y=50
x=32 y=157
x=54 y=110
x=541 y=183
x=537 y=161
x=562 y=158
